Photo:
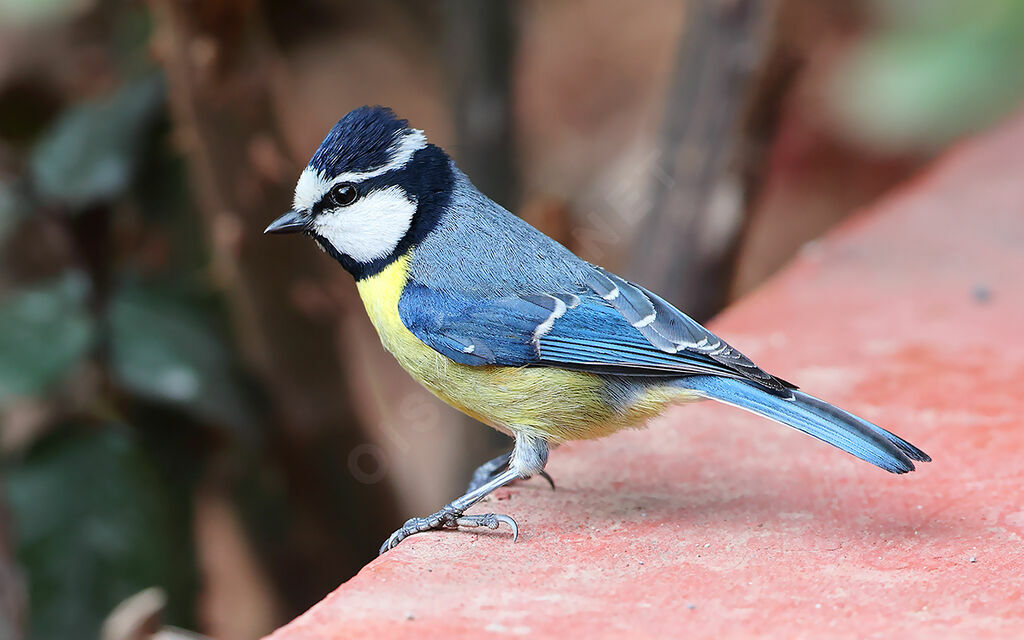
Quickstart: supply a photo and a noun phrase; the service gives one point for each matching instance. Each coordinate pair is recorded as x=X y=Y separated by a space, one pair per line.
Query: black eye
x=344 y=194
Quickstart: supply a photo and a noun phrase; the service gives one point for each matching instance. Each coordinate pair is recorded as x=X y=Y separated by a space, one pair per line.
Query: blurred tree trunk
x=479 y=54
x=12 y=590
x=218 y=59
x=478 y=58
x=721 y=110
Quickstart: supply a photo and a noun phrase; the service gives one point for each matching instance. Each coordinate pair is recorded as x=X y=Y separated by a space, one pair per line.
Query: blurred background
x=188 y=405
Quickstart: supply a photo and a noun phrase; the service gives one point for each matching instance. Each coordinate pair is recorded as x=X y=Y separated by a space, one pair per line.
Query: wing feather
x=615 y=327
x=672 y=331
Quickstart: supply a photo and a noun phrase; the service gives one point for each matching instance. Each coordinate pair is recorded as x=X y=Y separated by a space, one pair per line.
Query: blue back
x=478 y=247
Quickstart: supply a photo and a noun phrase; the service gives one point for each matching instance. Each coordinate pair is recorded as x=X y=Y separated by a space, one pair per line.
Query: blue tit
x=510 y=327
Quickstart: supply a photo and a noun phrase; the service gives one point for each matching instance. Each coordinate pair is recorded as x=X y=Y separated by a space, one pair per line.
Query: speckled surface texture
x=715 y=523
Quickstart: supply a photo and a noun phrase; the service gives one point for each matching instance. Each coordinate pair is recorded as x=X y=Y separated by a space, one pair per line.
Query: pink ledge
x=715 y=523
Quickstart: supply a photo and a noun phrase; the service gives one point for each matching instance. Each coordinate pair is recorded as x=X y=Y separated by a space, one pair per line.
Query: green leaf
x=25 y=13
x=94 y=525
x=43 y=333
x=932 y=75
x=163 y=348
x=91 y=153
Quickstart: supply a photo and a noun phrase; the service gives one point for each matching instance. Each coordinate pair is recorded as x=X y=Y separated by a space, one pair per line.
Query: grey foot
x=488 y=470
x=531 y=454
x=448 y=518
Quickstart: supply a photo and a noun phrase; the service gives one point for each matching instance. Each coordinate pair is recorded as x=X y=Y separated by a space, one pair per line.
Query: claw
x=511 y=525
x=546 y=476
x=444 y=520
x=388 y=545
x=491 y=521
x=452 y=515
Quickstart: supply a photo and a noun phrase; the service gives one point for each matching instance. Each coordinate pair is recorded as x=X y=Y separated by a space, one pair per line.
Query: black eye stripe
x=328 y=201
x=424 y=179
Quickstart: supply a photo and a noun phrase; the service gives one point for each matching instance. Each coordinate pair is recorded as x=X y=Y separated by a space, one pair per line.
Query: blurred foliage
x=90 y=155
x=43 y=333
x=95 y=526
x=100 y=490
x=25 y=13
x=164 y=349
x=122 y=395
x=932 y=71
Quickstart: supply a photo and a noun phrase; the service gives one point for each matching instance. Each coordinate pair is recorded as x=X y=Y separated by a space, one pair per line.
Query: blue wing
x=611 y=327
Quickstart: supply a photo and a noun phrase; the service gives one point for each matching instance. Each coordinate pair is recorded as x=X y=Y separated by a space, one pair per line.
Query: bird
x=510 y=327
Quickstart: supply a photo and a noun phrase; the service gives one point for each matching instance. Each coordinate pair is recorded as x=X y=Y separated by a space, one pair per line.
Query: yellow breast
x=555 y=404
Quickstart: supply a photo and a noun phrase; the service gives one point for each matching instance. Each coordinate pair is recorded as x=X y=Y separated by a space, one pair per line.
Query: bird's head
x=372 y=190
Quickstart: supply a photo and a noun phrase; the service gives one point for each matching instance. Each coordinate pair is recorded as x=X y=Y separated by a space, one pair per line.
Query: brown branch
x=478 y=53
x=479 y=50
x=13 y=599
x=217 y=59
x=721 y=111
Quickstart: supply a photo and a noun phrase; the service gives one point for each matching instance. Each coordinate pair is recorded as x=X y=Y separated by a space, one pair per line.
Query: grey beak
x=291 y=222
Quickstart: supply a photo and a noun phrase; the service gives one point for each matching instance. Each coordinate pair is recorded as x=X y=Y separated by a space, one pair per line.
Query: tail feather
x=816 y=418
x=838 y=414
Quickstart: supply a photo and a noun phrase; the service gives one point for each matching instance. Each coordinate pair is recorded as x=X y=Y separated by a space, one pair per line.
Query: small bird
x=510 y=327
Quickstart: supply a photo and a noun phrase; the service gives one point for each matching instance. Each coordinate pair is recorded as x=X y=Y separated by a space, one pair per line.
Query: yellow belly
x=555 y=404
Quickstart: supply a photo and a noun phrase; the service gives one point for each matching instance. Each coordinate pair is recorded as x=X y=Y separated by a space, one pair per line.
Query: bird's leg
x=493 y=467
x=527 y=458
x=488 y=470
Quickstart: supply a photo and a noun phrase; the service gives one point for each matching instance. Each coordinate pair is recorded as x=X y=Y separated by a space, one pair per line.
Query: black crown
x=359 y=142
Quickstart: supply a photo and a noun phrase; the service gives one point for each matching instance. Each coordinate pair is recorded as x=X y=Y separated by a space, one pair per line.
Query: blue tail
x=814 y=417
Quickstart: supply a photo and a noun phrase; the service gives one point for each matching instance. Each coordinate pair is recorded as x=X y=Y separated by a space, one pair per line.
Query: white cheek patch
x=370 y=228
